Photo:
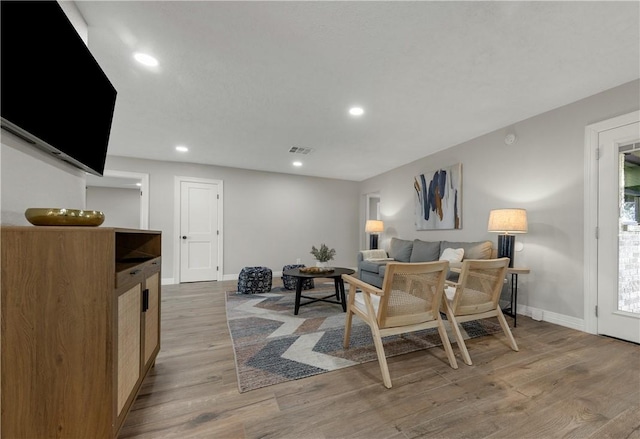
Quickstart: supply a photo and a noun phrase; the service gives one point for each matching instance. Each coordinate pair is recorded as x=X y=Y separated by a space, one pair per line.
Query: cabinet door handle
x=145 y=300
x=134 y=272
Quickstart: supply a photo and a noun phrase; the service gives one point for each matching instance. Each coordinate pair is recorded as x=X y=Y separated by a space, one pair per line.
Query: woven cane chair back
x=413 y=293
x=479 y=286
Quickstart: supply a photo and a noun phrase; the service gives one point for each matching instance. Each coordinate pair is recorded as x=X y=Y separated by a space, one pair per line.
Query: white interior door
x=199 y=231
x=619 y=239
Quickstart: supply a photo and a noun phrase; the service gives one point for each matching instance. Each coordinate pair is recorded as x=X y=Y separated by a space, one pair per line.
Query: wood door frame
x=177 y=182
x=591 y=184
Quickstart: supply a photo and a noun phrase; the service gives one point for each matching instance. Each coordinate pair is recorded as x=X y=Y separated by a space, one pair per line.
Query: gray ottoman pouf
x=289 y=282
x=254 y=280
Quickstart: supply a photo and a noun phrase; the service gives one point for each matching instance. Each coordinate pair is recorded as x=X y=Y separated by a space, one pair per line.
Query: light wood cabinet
x=80 y=328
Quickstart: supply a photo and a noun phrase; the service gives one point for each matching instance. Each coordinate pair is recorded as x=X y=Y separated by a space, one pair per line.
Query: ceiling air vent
x=300 y=150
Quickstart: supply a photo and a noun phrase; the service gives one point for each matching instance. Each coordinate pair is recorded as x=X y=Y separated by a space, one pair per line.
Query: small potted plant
x=322 y=255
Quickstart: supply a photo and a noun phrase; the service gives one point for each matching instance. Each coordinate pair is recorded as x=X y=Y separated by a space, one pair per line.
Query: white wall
x=269 y=219
x=542 y=172
x=121 y=207
x=30 y=177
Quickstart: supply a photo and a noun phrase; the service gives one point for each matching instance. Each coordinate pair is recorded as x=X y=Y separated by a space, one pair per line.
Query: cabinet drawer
x=152 y=266
x=131 y=276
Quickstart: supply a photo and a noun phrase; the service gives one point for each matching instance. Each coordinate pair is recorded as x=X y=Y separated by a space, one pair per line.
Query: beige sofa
x=372 y=263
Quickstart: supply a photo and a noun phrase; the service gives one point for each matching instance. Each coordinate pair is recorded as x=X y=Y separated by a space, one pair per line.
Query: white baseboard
x=167 y=281
x=552 y=317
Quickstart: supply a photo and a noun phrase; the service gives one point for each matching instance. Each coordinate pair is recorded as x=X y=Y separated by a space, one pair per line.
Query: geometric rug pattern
x=272 y=345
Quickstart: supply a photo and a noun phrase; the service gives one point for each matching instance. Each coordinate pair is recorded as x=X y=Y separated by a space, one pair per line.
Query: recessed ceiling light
x=145 y=59
x=182 y=148
x=356 y=111
x=298 y=164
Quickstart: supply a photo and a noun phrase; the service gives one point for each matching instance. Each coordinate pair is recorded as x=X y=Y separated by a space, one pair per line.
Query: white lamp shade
x=374 y=226
x=508 y=221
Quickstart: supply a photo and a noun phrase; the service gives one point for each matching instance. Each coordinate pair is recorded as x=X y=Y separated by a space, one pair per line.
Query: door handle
x=184 y=237
x=145 y=300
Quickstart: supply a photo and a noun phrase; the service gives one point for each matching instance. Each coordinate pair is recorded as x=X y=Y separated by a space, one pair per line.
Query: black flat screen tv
x=53 y=94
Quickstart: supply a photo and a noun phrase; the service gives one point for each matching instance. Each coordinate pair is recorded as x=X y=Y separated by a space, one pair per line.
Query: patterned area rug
x=272 y=345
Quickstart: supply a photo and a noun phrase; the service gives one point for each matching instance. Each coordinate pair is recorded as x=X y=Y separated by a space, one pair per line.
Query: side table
x=335 y=274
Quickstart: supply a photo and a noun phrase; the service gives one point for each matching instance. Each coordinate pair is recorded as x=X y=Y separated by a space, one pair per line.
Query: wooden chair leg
x=447 y=344
x=382 y=359
x=456 y=332
x=347 y=327
x=349 y=316
x=507 y=331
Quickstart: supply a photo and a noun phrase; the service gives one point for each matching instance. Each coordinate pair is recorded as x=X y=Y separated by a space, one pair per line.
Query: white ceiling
x=240 y=83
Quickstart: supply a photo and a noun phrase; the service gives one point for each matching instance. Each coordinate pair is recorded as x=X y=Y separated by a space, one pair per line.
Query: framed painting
x=438 y=201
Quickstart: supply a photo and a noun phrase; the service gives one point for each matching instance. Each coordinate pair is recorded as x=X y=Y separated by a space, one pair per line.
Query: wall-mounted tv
x=53 y=93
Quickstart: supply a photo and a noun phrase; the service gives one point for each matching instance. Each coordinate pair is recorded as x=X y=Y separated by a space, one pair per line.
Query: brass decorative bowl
x=46 y=216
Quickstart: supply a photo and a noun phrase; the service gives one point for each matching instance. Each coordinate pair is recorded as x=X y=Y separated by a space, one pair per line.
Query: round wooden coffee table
x=336 y=275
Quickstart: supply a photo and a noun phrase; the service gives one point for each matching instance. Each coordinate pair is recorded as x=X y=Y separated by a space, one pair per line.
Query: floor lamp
x=374 y=227
x=506 y=222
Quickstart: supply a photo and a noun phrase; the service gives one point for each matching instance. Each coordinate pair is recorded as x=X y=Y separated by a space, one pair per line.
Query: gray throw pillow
x=424 y=251
x=472 y=250
x=400 y=249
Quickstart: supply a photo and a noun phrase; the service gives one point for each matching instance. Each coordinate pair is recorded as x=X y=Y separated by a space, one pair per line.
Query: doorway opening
x=372 y=212
x=123 y=197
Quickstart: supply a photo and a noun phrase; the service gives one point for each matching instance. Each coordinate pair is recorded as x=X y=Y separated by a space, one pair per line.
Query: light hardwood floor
x=562 y=383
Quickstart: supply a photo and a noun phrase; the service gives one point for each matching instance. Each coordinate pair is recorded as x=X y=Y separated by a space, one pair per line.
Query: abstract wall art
x=438 y=199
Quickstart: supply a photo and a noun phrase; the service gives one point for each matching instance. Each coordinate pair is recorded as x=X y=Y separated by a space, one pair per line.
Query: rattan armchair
x=475 y=296
x=409 y=301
